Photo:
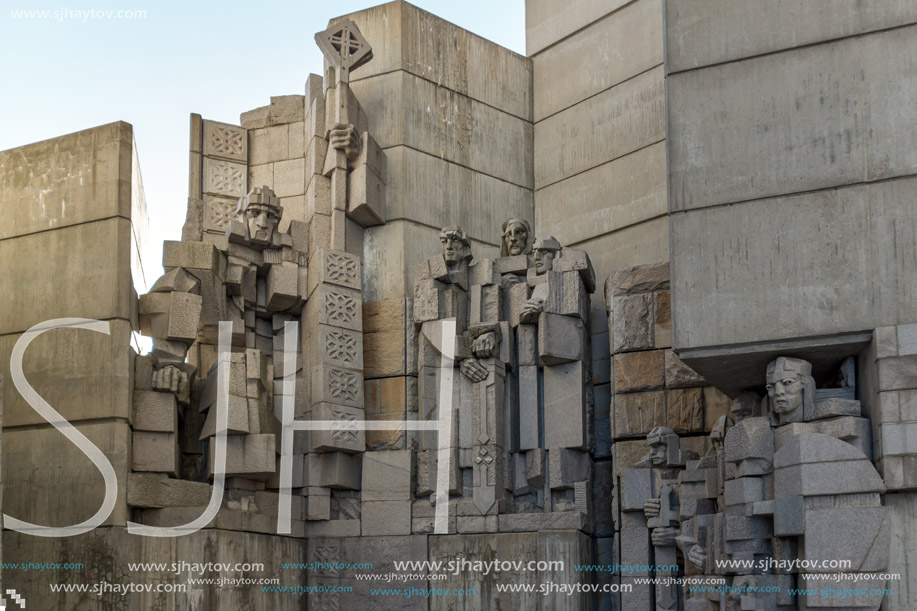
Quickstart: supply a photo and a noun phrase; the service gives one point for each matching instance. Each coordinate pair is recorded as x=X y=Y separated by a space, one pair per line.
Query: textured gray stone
x=679 y=375
x=566 y=467
x=147 y=490
x=155 y=411
x=565 y=406
x=387 y=476
x=636 y=487
x=561 y=339
x=632 y=322
x=386 y=518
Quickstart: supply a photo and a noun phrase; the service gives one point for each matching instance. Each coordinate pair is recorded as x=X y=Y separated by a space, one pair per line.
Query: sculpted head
x=546 y=250
x=791 y=388
x=455 y=245
x=517 y=238
x=260 y=211
x=658 y=440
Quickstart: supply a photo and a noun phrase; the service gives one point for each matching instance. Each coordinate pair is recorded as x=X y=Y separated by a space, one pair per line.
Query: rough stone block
x=566 y=467
x=638 y=413
x=565 y=406
x=387 y=476
x=156 y=452
x=561 y=339
x=632 y=323
x=567 y=294
x=384 y=338
x=789 y=517
x=640 y=279
x=287 y=109
x=886 y=340
x=344 y=439
x=337 y=385
x=386 y=518
x=283 y=286
x=830 y=408
x=339 y=470
x=486 y=304
x=155 y=412
x=685 y=409
x=248 y=456
x=147 y=490
x=529 y=413
x=744 y=490
x=639 y=371
x=679 y=375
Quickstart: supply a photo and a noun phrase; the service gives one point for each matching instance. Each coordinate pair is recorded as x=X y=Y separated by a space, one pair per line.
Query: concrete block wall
x=453 y=113
x=70 y=247
x=791 y=172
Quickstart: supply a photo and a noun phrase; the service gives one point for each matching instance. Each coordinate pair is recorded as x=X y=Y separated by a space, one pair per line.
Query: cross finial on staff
x=344 y=47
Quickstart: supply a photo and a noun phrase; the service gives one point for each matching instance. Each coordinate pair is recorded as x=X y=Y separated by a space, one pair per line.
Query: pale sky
x=67 y=72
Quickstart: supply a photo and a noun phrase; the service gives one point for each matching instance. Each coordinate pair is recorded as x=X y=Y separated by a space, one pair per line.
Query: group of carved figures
x=788 y=478
x=522 y=402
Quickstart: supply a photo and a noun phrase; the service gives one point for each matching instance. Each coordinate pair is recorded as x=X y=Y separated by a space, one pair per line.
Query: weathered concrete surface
x=50 y=482
x=407 y=38
x=392 y=251
x=82 y=374
x=704 y=32
x=603 y=54
x=817 y=117
x=106 y=552
x=833 y=272
x=545 y=25
x=902 y=510
x=606 y=126
x=78 y=271
x=415 y=112
x=80 y=177
x=583 y=206
x=436 y=192
x=572 y=547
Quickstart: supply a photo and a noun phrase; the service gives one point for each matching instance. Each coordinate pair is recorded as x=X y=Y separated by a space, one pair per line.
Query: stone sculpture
x=260 y=271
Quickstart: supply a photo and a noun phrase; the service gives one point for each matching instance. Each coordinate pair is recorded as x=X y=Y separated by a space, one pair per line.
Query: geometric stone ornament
x=344 y=47
x=225 y=178
x=225 y=141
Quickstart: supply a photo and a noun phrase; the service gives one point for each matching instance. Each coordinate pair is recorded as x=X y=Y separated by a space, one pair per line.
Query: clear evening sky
x=67 y=72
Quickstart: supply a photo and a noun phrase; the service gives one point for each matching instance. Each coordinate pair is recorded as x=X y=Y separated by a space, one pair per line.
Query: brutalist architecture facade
x=644 y=298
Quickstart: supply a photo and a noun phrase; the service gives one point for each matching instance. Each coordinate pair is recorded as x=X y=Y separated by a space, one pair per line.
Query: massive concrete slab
x=822 y=116
x=704 y=32
x=423 y=115
x=609 y=125
x=623 y=192
x=603 y=54
x=407 y=38
x=545 y=25
x=809 y=265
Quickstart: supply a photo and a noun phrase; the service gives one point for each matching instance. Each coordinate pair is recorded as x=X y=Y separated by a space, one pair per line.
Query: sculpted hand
x=651 y=508
x=473 y=370
x=485 y=346
x=532 y=308
x=698 y=557
x=664 y=537
x=174 y=380
x=344 y=137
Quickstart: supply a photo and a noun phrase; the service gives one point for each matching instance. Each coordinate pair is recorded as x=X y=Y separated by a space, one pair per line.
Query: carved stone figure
x=517 y=238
